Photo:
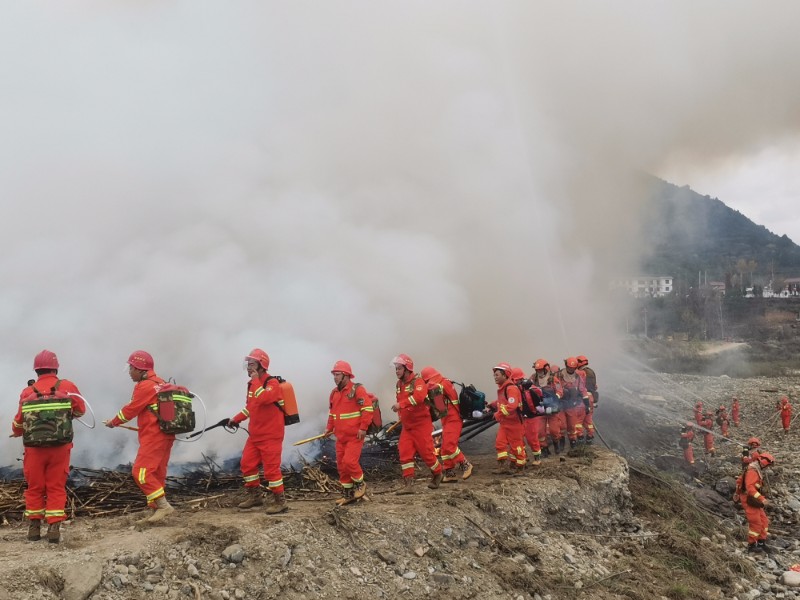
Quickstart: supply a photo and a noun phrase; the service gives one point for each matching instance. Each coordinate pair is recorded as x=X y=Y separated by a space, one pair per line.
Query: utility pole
x=645 y=321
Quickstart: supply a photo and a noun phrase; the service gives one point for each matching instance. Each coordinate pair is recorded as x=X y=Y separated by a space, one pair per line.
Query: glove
x=540 y=410
x=232 y=424
x=476 y=414
x=746 y=452
x=548 y=410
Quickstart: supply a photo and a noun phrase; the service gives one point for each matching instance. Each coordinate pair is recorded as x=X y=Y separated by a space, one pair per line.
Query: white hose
x=205 y=418
x=88 y=408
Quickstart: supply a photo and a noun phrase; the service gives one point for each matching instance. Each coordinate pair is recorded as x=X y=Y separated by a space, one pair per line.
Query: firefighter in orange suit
x=46 y=467
x=751 y=494
x=590 y=381
x=786 y=413
x=698 y=413
x=708 y=435
x=417 y=427
x=686 y=443
x=150 y=466
x=510 y=446
x=532 y=396
x=264 y=445
x=735 y=412
x=349 y=417
x=548 y=383
x=575 y=399
x=452 y=456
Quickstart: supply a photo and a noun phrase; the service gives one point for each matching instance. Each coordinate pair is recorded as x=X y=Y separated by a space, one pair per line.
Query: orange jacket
x=44 y=384
x=143 y=407
x=264 y=408
x=508 y=403
x=574 y=381
x=752 y=482
x=351 y=410
x=549 y=384
x=411 y=393
x=785 y=409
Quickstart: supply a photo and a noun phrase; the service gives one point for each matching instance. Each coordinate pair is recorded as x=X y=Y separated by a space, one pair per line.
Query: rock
x=791 y=579
x=121 y=569
x=79 y=584
x=447 y=532
x=193 y=572
x=409 y=575
x=388 y=557
x=355 y=571
x=233 y=553
x=421 y=551
x=239 y=593
x=443 y=579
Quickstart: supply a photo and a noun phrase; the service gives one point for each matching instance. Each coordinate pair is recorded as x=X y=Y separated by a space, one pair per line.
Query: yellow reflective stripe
x=411 y=401
x=48 y=406
x=405 y=466
x=503 y=410
x=248 y=478
x=369 y=408
x=456 y=401
x=258 y=392
x=30 y=513
x=756 y=495
x=154 y=406
x=122 y=417
x=453 y=455
x=142 y=475
x=280 y=402
x=358 y=479
x=277 y=483
x=502 y=455
x=155 y=495
x=245 y=412
x=353 y=415
x=179 y=398
x=347 y=485
x=54 y=513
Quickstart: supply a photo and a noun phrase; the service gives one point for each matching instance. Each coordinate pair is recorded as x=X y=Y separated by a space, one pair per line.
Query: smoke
x=456 y=182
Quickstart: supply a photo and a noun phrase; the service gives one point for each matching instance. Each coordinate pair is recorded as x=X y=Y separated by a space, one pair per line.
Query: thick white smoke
x=345 y=181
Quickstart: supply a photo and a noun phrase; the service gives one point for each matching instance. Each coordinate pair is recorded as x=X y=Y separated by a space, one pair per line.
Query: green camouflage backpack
x=175 y=414
x=47 y=418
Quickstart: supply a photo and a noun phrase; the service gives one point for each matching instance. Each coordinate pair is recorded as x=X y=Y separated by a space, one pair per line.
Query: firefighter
x=350 y=415
x=752 y=496
x=708 y=435
x=532 y=422
x=45 y=462
x=722 y=420
x=264 y=445
x=509 y=444
x=575 y=399
x=417 y=425
x=452 y=456
x=785 y=409
x=562 y=405
x=735 y=412
x=686 y=443
x=551 y=393
x=590 y=381
x=150 y=466
x=698 y=413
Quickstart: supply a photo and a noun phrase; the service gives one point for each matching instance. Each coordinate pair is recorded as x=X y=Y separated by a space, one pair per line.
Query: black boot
x=573 y=443
x=763 y=545
x=754 y=548
x=546 y=452
x=561 y=444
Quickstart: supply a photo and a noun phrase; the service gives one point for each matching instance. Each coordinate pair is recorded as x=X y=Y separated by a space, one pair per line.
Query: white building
x=645 y=286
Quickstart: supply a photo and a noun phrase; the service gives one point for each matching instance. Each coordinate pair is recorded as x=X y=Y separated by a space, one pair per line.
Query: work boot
x=573 y=443
x=163 y=510
x=589 y=440
x=359 y=489
x=518 y=470
x=408 y=487
x=536 y=459
x=450 y=476
x=503 y=468
x=763 y=545
x=35 y=530
x=278 y=505
x=466 y=468
x=254 y=498
x=561 y=444
x=54 y=533
x=436 y=479
x=546 y=452
x=347 y=496
x=754 y=548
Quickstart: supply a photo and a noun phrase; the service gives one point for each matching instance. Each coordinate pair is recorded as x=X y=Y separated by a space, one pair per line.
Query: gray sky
x=352 y=180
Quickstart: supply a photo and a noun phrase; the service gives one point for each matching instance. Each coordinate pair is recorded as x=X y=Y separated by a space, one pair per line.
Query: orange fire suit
x=509 y=443
x=687 y=437
x=533 y=426
x=786 y=415
x=575 y=397
x=549 y=385
x=590 y=381
x=452 y=425
x=735 y=413
x=415 y=416
x=264 y=445
x=46 y=469
x=724 y=423
x=150 y=467
x=698 y=413
x=757 y=521
x=351 y=411
x=708 y=436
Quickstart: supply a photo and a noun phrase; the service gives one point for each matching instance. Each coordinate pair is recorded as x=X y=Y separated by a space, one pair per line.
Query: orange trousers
x=348 y=459
x=266 y=453
x=46 y=471
x=415 y=438
x=150 y=467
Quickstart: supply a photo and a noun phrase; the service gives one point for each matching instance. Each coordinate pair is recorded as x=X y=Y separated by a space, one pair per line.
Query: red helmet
x=45 y=360
x=431 y=375
x=754 y=442
x=540 y=364
x=141 y=360
x=689 y=425
x=784 y=400
x=258 y=355
x=766 y=459
x=517 y=374
x=571 y=362
x=505 y=367
x=699 y=405
x=403 y=360
x=722 y=407
x=343 y=367
x=582 y=361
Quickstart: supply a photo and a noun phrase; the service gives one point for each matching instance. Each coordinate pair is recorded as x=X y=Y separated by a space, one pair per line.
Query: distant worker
x=687 y=442
x=349 y=417
x=417 y=427
x=575 y=399
x=698 y=413
x=723 y=421
x=451 y=455
x=510 y=446
x=708 y=434
x=785 y=409
x=44 y=420
x=735 y=412
x=532 y=412
x=591 y=386
x=751 y=494
x=551 y=429
x=150 y=465
x=264 y=406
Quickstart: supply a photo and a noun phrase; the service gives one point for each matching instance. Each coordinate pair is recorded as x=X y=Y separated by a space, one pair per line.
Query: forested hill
x=687 y=233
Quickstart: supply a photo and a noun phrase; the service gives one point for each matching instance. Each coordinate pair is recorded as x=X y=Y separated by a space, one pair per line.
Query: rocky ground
x=623 y=521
